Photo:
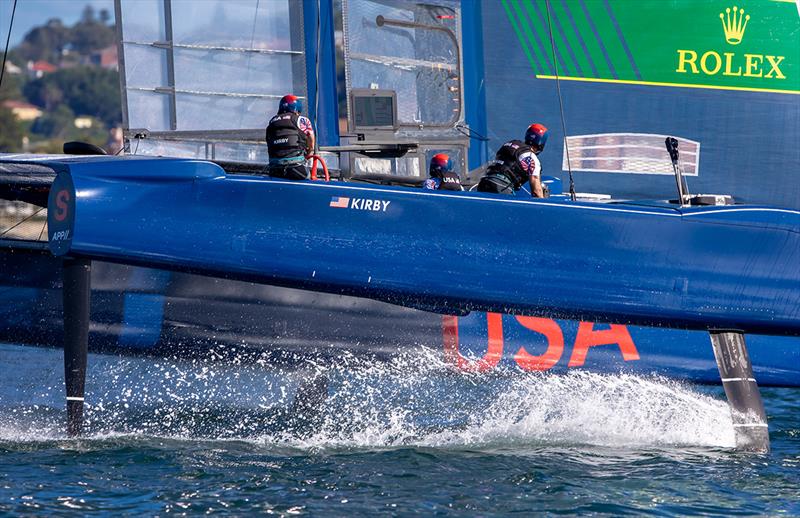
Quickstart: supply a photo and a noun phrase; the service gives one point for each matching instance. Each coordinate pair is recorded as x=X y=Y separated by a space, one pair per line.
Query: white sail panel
x=144 y=20
x=200 y=112
x=238 y=73
x=145 y=67
x=244 y=24
x=151 y=111
x=215 y=65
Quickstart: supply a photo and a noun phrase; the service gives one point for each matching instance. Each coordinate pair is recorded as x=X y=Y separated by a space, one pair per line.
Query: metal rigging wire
x=2 y=73
x=18 y=223
x=8 y=41
x=560 y=104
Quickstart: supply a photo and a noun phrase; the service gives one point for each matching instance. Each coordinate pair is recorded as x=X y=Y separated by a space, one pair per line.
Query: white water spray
x=414 y=400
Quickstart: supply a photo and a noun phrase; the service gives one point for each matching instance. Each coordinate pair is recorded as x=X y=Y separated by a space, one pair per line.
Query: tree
x=45 y=42
x=87 y=16
x=86 y=90
x=11 y=87
x=91 y=35
x=15 y=57
x=55 y=124
x=44 y=92
x=48 y=41
x=10 y=131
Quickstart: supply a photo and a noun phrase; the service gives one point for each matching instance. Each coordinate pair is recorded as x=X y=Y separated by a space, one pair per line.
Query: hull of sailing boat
x=418 y=250
x=143 y=311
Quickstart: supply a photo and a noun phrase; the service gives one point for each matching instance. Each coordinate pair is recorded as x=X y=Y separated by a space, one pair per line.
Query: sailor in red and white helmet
x=290 y=140
x=515 y=163
x=442 y=174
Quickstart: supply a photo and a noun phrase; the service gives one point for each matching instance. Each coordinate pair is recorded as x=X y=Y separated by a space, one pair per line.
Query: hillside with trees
x=61 y=83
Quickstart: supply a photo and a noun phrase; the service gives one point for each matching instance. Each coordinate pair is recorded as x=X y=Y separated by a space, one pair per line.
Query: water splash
x=413 y=400
x=424 y=403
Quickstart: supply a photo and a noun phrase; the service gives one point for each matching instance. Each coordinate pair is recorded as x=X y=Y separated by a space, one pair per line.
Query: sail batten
x=164 y=44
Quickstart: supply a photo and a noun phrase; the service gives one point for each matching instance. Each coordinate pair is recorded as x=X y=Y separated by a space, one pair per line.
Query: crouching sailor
x=442 y=176
x=290 y=140
x=515 y=163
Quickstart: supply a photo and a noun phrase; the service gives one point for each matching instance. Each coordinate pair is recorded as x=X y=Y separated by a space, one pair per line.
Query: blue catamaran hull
x=644 y=263
x=141 y=311
x=334 y=247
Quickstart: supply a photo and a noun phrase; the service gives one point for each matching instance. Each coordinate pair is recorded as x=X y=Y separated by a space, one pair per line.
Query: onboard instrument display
x=374 y=109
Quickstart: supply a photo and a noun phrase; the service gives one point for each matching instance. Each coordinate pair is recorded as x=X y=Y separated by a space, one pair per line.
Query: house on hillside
x=11 y=68
x=36 y=69
x=105 y=58
x=83 y=122
x=23 y=111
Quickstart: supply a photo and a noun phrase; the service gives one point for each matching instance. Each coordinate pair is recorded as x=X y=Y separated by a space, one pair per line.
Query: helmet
x=440 y=163
x=536 y=136
x=290 y=103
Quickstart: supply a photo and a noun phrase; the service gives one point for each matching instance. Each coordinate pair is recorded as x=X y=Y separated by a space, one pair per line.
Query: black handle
x=672 y=148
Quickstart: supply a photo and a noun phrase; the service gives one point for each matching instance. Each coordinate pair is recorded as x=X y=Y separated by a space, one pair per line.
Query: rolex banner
x=739 y=44
x=721 y=76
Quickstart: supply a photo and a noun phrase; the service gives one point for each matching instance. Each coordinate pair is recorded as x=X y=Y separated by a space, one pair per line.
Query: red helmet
x=290 y=103
x=440 y=164
x=536 y=135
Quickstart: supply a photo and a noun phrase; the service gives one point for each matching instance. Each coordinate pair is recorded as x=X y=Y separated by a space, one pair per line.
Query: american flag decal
x=526 y=163
x=339 y=202
x=304 y=125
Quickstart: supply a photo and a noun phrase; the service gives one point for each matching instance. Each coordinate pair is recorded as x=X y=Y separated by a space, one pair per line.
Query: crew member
x=515 y=163
x=442 y=176
x=290 y=140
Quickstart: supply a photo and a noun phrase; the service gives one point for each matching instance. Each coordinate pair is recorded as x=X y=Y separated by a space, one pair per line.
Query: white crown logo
x=734 y=25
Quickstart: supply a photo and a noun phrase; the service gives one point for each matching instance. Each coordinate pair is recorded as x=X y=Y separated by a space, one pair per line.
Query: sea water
x=407 y=436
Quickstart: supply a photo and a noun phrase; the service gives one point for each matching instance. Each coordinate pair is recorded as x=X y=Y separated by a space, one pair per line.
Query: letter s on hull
x=555 y=344
x=62 y=207
x=61 y=214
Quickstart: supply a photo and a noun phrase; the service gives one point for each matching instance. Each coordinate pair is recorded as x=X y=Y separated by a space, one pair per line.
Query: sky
x=31 y=13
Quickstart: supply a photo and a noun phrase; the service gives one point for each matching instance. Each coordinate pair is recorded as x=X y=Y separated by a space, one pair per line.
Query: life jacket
x=284 y=137
x=450 y=181
x=506 y=163
x=498 y=168
x=497 y=183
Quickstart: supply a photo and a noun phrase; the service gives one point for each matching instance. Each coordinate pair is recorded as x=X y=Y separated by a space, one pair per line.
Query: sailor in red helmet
x=290 y=140
x=442 y=175
x=515 y=163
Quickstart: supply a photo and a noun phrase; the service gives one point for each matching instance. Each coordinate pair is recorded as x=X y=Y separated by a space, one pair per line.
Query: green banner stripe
x=609 y=34
x=595 y=42
x=562 y=44
x=622 y=40
x=520 y=37
x=539 y=40
x=563 y=19
x=538 y=18
x=533 y=35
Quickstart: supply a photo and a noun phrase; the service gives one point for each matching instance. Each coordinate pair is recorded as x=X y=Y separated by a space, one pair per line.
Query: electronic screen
x=374 y=110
